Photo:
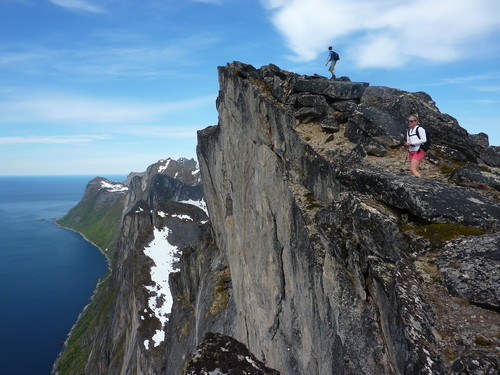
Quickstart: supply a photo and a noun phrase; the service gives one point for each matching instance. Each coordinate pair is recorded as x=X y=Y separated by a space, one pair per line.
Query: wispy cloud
x=385 y=33
x=64 y=108
x=215 y=2
x=78 y=5
x=489 y=88
x=486 y=101
x=57 y=139
x=170 y=132
x=108 y=53
x=472 y=78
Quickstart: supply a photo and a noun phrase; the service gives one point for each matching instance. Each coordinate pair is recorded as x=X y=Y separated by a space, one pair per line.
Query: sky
x=100 y=87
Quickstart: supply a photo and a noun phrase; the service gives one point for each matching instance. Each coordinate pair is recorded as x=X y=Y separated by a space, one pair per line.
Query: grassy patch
x=480 y=340
x=447 y=170
x=183 y=330
x=98 y=226
x=440 y=233
x=221 y=292
x=311 y=202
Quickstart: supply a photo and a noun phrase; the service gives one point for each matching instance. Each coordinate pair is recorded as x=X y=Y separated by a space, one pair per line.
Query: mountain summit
x=321 y=255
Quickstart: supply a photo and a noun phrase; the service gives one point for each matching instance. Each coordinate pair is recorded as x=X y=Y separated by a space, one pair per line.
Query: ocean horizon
x=47 y=273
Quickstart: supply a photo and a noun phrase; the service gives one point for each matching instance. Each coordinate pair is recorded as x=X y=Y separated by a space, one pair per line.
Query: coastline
x=92 y=297
x=86 y=239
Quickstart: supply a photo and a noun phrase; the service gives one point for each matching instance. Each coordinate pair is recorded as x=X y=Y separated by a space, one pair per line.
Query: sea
x=47 y=273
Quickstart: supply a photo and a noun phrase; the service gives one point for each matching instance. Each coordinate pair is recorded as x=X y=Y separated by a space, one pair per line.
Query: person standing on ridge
x=333 y=57
x=415 y=137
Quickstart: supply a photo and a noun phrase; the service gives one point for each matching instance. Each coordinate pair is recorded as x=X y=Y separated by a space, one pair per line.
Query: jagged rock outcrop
x=318 y=232
x=166 y=180
x=223 y=355
x=469 y=267
x=322 y=254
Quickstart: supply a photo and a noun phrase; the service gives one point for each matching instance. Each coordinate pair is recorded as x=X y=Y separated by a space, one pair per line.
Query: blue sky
x=104 y=87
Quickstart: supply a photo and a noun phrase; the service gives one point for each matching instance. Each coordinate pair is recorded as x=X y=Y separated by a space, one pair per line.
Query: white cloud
x=57 y=139
x=473 y=78
x=215 y=2
x=488 y=88
x=109 y=53
x=385 y=33
x=73 y=109
x=170 y=132
x=77 y=5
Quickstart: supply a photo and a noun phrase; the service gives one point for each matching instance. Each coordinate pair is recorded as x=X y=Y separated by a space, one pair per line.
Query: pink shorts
x=417 y=155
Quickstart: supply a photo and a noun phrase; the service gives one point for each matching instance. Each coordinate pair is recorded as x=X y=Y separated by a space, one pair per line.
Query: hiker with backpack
x=416 y=141
x=333 y=57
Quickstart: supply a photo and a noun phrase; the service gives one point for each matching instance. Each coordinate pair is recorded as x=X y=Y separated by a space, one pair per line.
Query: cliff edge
x=321 y=255
x=340 y=261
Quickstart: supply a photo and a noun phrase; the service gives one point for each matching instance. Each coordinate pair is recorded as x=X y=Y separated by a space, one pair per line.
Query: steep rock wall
x=323 y=268
x=321 y=256
x=122 y=330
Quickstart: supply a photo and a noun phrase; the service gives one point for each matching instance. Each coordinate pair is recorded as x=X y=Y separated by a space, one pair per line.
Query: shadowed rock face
x=223 y=355
x=322 y=254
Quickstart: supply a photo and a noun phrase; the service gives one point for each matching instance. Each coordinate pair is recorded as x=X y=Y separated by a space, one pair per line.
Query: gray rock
x=471 y=269
x=313 y=86
x=276 y=87
x=427 y=199
x=329 y=124
x=373 y=122
x=374 y=147
x=309 y=100
x=341 y=90
x=223 y=355
x=491 y=156
x=476 y=364
x=451 y=153
x=309 y=114
x=472 y=175
x=481 y=139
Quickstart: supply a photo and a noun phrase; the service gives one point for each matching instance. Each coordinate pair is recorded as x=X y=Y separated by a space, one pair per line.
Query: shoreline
x=85 y=238
x=92 y=297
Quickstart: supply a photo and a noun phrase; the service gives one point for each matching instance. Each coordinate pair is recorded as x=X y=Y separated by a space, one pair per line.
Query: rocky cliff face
x=322 y=254
x=336 y=261
x=161 y=211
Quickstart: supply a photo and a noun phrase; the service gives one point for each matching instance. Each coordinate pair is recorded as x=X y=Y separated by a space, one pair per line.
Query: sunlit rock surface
x=320 y=254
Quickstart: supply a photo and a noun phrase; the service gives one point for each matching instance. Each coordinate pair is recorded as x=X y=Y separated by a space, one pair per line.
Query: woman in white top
x=413 y=142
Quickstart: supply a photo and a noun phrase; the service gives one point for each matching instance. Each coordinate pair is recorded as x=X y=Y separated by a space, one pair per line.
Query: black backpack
x=427 y=145
x=336 y=56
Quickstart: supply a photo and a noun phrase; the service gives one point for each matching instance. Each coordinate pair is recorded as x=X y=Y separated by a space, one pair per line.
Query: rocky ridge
x=154 y=214
x=322 y=254
x=324 y=230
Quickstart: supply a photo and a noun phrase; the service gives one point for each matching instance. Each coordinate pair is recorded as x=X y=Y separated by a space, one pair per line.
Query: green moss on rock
x=440 y=233
x=221 y=292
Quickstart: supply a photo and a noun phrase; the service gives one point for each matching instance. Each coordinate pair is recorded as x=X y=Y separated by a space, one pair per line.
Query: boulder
x=491 y=156
x=471 y=269
x=223 y=355
x=473 y=175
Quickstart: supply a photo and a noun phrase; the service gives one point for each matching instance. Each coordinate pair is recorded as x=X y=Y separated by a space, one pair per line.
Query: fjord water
x=47 y=273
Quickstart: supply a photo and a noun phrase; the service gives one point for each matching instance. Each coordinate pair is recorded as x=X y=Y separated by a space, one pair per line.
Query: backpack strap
x=416 y=130
x=416 y=133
